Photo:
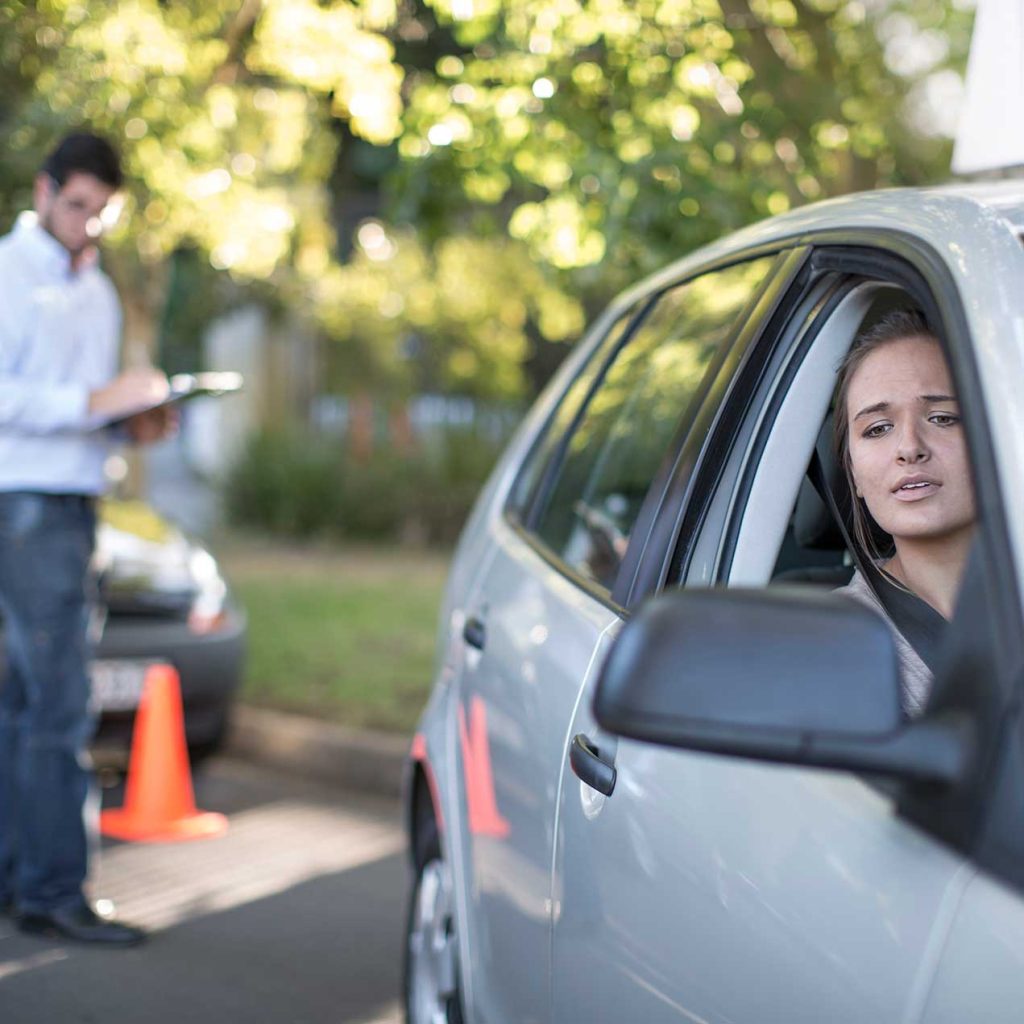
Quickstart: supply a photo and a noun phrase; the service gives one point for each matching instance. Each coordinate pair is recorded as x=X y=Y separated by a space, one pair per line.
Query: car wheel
x=432 y=993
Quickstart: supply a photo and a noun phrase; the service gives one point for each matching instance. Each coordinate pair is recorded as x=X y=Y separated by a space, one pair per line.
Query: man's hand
x=155 y=425
x=129 y=392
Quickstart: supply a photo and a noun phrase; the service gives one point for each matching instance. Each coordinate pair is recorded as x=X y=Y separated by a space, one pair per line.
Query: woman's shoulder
x=859 y=589
x=916 y=676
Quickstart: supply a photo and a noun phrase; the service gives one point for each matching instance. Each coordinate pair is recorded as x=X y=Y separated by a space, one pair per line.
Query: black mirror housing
x=784 y=674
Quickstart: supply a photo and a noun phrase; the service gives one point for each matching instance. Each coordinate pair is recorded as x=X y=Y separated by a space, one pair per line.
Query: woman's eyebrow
x=883 y=406
x=868 y=409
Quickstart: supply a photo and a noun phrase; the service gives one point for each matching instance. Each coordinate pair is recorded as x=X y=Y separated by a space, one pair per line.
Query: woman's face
x=906 y=444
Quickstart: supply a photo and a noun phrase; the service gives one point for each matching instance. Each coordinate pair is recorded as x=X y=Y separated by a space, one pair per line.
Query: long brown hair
x=895 y=326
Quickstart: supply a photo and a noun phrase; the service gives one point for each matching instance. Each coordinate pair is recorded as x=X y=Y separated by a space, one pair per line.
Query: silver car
x=738 y=829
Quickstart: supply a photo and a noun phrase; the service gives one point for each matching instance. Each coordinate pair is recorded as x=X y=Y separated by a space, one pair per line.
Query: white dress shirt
x=59 y=336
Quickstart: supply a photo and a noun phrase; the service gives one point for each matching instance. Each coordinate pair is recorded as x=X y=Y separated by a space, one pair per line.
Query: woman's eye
x=944 y=419
x=876 y=430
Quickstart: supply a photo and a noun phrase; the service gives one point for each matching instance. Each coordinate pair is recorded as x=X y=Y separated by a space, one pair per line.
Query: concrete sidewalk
x=294 y=916
x=354 y=759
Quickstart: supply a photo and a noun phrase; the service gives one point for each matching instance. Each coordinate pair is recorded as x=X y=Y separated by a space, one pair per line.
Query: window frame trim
x=827 y=293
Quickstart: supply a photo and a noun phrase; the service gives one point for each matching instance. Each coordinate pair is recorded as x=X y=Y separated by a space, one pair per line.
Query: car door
x=980 y=976
x=716 y=889
x=545 y=602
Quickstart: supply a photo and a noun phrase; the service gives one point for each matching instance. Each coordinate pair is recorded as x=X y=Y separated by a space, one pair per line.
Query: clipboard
x=183 y=388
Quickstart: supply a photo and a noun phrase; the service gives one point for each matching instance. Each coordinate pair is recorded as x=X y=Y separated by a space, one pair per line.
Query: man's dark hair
x=84 y=153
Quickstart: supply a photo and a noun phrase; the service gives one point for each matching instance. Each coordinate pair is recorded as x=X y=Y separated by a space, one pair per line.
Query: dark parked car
x=163 y=600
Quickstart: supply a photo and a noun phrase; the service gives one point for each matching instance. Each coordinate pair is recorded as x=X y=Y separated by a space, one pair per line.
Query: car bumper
x=209 y=665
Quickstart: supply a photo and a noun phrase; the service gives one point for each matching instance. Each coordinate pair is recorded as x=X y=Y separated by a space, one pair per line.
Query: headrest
x=813 y=524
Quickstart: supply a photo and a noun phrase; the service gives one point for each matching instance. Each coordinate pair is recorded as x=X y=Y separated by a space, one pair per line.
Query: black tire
x=416 y=975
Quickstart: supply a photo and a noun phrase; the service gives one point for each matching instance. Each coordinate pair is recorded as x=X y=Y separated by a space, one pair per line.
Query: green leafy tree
x=459 y=316
x=594 y=140
x=226 y=112
x=613 y=135
x=536 y=155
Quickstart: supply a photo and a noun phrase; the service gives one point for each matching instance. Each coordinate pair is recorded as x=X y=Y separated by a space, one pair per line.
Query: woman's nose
x=911 y=446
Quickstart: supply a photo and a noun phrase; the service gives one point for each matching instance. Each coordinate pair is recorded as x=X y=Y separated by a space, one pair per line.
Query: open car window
x=797 y=524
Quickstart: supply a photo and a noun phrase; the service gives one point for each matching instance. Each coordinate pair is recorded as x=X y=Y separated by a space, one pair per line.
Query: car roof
x=1004 y=197
x=934 y=214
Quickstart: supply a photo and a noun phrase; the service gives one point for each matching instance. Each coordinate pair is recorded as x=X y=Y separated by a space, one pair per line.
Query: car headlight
x=208 y=612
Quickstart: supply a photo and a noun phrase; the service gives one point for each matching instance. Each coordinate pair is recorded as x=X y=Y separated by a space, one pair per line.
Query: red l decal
x=482 y=804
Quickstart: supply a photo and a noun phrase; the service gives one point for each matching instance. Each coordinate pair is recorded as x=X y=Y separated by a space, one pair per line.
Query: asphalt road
x=296 y=915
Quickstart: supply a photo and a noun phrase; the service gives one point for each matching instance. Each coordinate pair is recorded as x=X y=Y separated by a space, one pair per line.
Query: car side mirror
x=781 y=674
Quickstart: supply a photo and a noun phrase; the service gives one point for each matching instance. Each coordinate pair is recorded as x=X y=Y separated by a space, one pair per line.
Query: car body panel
x=706 y=885
x=164 y=600
x=982 y=960
x=515 y=699
x=489 y=509
x=209 y=667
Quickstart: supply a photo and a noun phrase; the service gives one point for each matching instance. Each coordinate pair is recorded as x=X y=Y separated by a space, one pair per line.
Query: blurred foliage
x=223 y=110
x=291 y=484
x=454 y=318
x=536 y=155
x=342 y=633
x=614 y=135
x=583 y=142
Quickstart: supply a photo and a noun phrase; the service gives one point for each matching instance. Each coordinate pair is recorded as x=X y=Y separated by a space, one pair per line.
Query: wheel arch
x=424 y=820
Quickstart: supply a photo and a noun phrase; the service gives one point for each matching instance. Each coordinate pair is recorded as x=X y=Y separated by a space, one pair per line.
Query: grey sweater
x=915 y=674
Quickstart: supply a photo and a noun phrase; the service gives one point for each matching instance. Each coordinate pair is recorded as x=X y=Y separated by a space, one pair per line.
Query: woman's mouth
x=914 y=488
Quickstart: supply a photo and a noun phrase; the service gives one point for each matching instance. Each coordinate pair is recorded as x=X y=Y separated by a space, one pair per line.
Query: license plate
x=117 y=685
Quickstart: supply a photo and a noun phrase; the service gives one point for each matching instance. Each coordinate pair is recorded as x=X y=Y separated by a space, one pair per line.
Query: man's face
x=72 y=213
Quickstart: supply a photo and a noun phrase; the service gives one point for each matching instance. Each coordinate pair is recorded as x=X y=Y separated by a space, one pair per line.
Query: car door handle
x=589 y=766
x=474 y=632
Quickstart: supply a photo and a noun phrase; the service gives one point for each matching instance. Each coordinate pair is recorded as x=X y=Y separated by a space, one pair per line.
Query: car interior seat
x=813 y=550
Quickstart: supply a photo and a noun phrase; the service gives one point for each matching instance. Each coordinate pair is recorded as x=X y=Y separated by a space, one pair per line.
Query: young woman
x=898 y=437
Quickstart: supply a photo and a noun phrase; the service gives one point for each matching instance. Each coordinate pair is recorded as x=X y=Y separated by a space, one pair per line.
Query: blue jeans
x=46 y=543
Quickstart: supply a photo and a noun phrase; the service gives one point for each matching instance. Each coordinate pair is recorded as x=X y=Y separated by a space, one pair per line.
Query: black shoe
x=81 y=924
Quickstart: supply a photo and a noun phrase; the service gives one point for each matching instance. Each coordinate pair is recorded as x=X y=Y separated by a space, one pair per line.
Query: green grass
x=337 y=632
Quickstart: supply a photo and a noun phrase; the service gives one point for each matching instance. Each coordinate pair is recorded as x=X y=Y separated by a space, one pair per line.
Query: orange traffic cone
x=159 y=805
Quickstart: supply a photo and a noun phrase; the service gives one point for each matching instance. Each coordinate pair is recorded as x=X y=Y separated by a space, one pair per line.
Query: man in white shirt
x=60 y=324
